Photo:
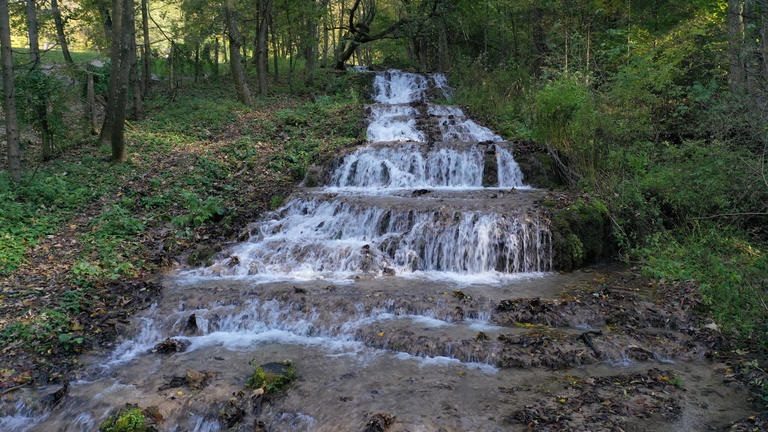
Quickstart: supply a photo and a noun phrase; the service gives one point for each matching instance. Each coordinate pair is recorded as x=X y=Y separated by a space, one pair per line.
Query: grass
x=730 y=269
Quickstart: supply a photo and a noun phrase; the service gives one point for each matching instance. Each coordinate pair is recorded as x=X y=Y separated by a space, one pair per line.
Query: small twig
x=13 y=389
x=732 y=214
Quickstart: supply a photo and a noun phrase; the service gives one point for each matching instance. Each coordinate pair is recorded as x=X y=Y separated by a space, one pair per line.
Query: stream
x=383 y=288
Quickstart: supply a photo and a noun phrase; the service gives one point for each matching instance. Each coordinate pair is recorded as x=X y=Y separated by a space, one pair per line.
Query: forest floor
x=84 y=241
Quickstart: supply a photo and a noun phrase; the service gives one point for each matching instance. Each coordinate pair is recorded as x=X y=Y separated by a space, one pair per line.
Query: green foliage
x=729 y=268
x=272 y=381
x=566 y=118
x=581 y=234
x=47 y=332
x=198 y=210
x=315 y=128
x=128 y=419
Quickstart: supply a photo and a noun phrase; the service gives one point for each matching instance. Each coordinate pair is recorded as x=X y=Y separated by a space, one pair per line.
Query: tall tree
x=61 y=35
x=235 y=61
x=146 y=52
x=261 y=44
x=9 y=95
x=32 y=30
x=41 y=103
x=123 y=30
x=736 y=73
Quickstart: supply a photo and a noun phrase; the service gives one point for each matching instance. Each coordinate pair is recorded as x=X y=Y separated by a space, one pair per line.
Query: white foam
x=442 y=361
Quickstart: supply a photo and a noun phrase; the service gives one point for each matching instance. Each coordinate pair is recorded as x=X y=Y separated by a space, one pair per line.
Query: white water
x=332 y=238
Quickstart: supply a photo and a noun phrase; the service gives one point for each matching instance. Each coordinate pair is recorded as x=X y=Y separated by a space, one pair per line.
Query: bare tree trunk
x=764 y=38
x=311 y=41
x=235 y=62
x=126 y=38
x=135 y=76
x=171 y=69
x=737 y=74
x=34 y=44
x=216 y=57
x=197 y=62
x=9 y=96
x=114 y=121
x=275 y=50
x=41 y=107
x=90 y=96
x=261 y=45
x=60 y=34
x=147 y=51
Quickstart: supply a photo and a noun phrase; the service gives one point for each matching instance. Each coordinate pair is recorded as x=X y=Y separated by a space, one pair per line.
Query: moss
x=272 y=377
x=128 y=419
x=202 y=256
x=581 y=235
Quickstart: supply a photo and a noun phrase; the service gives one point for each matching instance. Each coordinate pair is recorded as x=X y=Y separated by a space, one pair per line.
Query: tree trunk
x=311 y=42
x=9 y=101
x=90 y=92
x=261 y=45
x=147 y=51
x=737 y=74
x=135 y=76
x=216 y=57
x=197 y=62
x=235 y=62
x=41 y=105
x=60 y=34
x=171 y=70
x=125 y=38
x=34 y=44
x=764 y=38
x=275 y=50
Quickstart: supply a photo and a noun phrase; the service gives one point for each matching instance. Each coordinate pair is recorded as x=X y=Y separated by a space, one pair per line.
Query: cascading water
x=412 y=204
x=337 y=237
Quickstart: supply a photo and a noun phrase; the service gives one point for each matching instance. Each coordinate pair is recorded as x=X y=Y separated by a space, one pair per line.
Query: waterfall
x=345 y=229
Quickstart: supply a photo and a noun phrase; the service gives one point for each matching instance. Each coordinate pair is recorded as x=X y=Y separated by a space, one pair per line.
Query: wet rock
x=490 y=167
x=171 y=346
x=53 y=395
x=298 y=290
x=233 y=411
x=379 y=422
x=604 y=403
x=388 y=271
x=420 y=192
x=272 y=377
x=191 y=326
x=130 y=418
x=751 y=424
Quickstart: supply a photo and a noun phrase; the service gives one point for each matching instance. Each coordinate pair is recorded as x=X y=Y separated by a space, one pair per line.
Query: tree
x=360 y=21
x=60 y=33
x=736 y=73
x=265 y=10
x=123 y=39
x=235 y=60
x=32 y=24
x=9 y=102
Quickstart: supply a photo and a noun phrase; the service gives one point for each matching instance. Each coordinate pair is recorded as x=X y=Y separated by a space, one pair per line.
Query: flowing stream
x=355 y=283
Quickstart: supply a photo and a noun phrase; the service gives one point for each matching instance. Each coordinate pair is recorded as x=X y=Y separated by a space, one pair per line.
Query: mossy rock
x=129 y=419
x=202 y=256
x=272 y=377
x=581 y=235
x=538 y=167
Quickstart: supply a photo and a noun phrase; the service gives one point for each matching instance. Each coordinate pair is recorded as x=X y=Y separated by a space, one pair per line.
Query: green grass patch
x=731 y=270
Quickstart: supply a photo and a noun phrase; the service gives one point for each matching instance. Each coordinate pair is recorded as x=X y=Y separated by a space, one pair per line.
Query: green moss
x=272 y=377
x=128 y=419
x=581 y=234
